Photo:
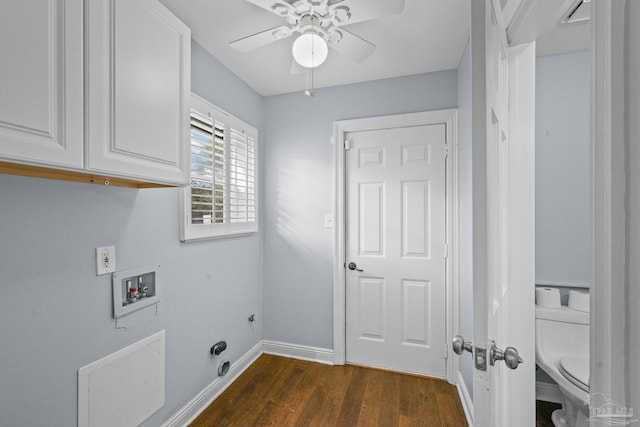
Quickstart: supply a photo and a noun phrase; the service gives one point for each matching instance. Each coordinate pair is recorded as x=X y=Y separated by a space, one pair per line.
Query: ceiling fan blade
x=366 y=10
x=252 y=42
x=353 y=46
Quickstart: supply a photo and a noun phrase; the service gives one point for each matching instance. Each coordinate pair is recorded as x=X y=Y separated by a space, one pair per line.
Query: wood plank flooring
x=543 y=413
x=277 y=391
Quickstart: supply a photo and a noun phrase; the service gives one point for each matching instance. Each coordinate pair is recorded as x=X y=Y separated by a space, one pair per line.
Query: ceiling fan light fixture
x=310 y=50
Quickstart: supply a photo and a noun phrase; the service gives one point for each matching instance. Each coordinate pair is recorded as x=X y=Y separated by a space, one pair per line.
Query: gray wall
x=214 y=82
x=563 y=89
x=465 y=237
x=298 y=180
x=562 y=169
x=56 y=314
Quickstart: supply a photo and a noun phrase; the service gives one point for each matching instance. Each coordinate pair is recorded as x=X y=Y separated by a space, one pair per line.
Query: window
x=222 y=197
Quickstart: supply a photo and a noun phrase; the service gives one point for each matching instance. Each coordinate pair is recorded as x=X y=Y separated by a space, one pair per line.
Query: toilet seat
x=576 y=370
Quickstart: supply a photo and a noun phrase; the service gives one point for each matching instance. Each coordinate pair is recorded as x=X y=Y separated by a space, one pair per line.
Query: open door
x=503 y=106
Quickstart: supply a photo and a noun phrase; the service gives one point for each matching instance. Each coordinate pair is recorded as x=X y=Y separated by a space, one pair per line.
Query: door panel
x=371 y=219
x=503 y=206
x=415 y=219
x=396 y=206
x=416 y=305
x=372 y=313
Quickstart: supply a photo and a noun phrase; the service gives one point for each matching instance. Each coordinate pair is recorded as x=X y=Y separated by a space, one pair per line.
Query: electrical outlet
x=105 y=260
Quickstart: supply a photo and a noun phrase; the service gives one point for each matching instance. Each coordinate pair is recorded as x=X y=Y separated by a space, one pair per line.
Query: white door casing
x=522 y=228
x=503 y=217
x=611 y=371
x=395 y=182
x=341 y=128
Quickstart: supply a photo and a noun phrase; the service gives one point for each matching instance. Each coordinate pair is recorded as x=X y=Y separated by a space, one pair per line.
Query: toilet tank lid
x=562 y=314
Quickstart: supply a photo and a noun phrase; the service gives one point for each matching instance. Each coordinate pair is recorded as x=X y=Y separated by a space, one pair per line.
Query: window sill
x=218 y=236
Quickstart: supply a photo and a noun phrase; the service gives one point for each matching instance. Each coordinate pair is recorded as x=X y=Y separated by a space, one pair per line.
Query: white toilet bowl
x=562 y=351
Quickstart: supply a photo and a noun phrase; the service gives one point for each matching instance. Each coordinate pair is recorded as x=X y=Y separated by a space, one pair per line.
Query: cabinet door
x=41 y=119
x=138 y=71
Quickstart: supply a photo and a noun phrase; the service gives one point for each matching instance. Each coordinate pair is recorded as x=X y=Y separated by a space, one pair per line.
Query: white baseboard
x=548 y=392
x=210 y=393
x=302 y=352
x=465 y=398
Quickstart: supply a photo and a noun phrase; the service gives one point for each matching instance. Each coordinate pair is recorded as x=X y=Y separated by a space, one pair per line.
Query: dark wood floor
x=543 y=413
x=276 y=391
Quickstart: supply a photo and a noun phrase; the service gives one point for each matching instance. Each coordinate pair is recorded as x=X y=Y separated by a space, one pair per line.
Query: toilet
x=562 y=351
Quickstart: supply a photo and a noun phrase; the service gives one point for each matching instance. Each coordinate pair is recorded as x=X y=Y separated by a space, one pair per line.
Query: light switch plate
x=328 y=220
x=105 y=260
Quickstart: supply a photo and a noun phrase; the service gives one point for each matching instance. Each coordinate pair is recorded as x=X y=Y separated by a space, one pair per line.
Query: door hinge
x=347 y=144
x=446 y=250
x=446 y=350
x=446 y=150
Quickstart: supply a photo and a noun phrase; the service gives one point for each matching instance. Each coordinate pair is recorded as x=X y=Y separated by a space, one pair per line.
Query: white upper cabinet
x=138 y=91
x=41 y=78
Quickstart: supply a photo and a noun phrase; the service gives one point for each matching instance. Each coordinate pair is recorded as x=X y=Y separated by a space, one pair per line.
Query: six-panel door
x=396 y=232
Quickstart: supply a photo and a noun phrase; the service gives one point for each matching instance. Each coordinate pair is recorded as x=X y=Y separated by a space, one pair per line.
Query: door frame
x=449 y=118
x=608 y=212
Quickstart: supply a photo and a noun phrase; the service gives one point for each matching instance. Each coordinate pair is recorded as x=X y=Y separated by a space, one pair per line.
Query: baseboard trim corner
x=202 y=400
x=465 y=398
x=295 y=351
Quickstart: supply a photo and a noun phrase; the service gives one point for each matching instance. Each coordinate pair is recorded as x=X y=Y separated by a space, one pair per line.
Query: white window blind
x=242 y=200
x=222 y=198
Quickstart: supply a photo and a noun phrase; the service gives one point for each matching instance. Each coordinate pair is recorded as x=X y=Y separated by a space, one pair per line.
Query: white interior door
x=395 y=238
x=503 y=204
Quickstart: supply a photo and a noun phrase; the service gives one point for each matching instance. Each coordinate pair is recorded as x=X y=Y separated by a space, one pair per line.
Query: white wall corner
x=202 y=400
x=295 y=351
x=465 y=398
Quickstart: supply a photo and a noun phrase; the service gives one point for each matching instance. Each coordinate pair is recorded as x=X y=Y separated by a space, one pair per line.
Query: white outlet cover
x=105 y=260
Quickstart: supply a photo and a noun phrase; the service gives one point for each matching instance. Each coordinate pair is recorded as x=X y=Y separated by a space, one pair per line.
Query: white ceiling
x=429 y=35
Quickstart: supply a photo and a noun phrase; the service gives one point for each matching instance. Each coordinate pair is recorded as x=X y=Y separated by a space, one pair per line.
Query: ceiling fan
x=320 y=24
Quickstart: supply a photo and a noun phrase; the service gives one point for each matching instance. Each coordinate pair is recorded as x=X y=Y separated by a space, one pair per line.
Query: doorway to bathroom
x=563 y=234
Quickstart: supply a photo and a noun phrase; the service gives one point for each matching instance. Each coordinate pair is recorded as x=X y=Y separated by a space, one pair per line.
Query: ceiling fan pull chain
x=310 y=91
